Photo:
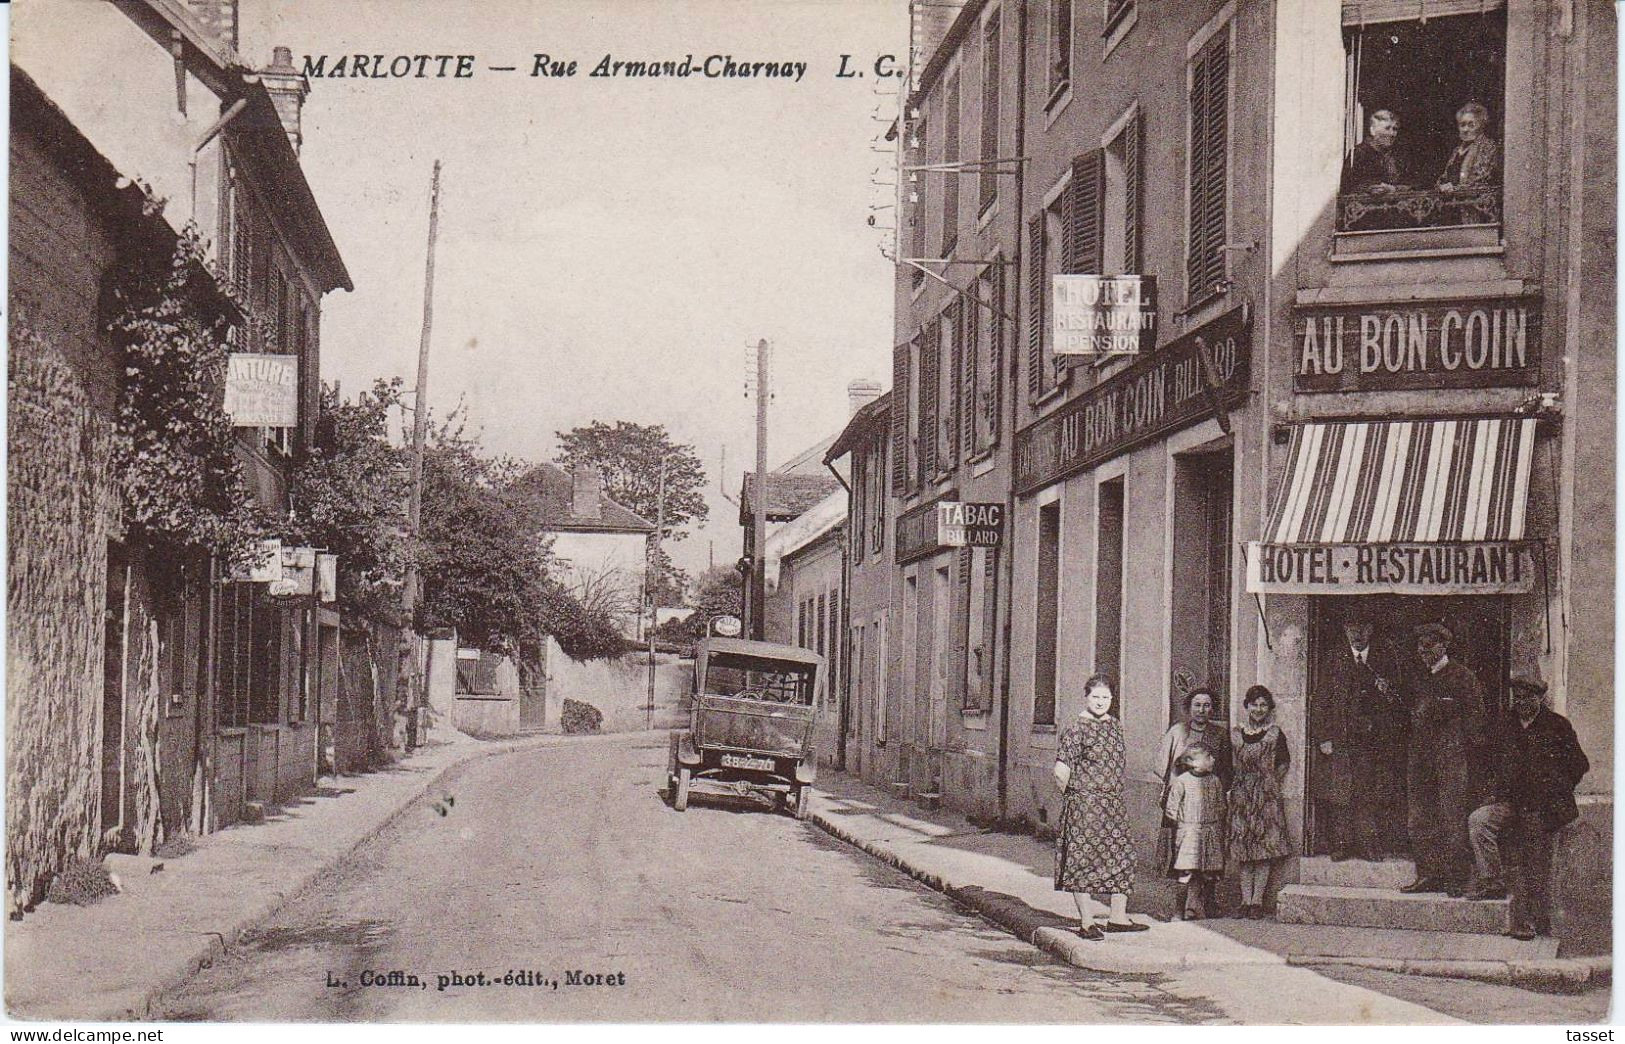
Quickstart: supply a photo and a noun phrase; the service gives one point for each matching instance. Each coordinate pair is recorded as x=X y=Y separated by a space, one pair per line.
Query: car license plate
x=744 y=761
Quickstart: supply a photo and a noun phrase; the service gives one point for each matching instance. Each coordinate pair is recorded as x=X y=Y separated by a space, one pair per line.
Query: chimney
x=586 y=492
x=861 y=393
x=288 y=88
x=218 y=20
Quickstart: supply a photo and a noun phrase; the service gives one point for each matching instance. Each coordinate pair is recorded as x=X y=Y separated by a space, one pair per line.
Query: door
x=1481 y=643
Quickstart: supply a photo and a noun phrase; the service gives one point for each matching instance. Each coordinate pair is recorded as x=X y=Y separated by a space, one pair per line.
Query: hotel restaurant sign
x=945 y=523
x=1452 y=344
x=1482 y=567
x=1161 y=393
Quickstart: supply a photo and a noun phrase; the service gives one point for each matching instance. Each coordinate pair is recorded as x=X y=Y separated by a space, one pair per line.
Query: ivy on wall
x=183 y=485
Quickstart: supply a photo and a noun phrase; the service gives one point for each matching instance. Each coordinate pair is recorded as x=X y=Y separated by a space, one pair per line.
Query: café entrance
x=1482 y=644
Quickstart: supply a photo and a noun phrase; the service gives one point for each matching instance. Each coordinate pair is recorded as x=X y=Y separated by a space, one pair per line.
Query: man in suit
x=1360 y=742
x=1538 y=763
x=1444 y=775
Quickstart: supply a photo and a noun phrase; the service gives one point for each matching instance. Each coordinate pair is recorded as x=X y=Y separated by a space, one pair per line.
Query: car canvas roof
x=770 y=650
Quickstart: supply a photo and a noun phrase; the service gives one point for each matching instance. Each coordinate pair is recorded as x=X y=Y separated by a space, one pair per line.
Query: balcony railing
x=1418 y=208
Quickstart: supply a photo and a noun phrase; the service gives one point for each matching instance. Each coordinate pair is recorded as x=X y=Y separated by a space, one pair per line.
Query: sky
x=608 y=248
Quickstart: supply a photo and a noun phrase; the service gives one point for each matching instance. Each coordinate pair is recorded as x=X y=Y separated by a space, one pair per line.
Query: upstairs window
x=988 y=188
x=1423 y=122
x=1060 y=47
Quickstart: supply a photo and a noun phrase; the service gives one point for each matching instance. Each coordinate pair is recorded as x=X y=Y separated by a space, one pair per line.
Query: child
x=1196 y=805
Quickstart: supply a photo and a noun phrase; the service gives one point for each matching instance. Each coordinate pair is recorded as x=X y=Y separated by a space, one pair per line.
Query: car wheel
x=679 y=793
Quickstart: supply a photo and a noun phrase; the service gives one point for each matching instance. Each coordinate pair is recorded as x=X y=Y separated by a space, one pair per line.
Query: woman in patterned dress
x=1258 y=836
x=1195 y=731
x=1093 y=853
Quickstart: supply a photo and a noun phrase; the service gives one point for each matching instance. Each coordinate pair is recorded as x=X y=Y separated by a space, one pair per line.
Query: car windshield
x=755 y=678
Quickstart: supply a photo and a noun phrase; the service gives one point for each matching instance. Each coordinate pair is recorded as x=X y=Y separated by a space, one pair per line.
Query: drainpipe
x=842 y=699
x=1007 y=570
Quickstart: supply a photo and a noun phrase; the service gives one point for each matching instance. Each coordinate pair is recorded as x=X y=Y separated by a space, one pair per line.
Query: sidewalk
x=1256 y=971
x=108 y=960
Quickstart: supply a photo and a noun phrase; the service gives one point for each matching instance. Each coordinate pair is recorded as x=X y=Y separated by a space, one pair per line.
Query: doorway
x=1479 y=623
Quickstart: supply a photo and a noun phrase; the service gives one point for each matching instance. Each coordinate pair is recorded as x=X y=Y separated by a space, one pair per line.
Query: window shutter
x=990 y=619
x=1035 y=306
x=1209 y=139
x=899 y=419
x=995 y=365
x=239 y=242
x=1133 y=194
x=1082 y=214
x=955 y=367
x=990 y=108
x=950 y=179
x=961 y=659
x=929 y=351
x=971 y=337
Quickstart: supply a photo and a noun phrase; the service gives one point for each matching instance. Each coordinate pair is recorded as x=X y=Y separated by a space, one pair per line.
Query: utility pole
x=758 y=530
x=409 y=675
x=654 y=598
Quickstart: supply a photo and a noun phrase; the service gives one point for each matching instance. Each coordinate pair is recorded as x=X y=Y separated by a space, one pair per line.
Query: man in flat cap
x=1444 y=778
x=1538 y=763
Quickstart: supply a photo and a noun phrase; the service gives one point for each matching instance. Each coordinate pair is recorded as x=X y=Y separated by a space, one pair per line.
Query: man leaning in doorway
x=1361 y=741
x=1445 y=774
x=1538 y=763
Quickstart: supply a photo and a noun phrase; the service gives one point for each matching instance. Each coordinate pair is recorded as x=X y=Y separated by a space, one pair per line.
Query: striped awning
x=1380 y=482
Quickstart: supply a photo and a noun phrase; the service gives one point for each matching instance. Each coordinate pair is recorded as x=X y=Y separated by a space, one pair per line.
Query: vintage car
x=752 y=722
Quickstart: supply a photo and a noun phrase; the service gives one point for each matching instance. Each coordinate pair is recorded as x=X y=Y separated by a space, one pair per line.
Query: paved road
x=566 y=859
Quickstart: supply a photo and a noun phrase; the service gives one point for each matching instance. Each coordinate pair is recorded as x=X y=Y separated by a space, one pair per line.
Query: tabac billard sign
x=1103 y=315
x=941 y=524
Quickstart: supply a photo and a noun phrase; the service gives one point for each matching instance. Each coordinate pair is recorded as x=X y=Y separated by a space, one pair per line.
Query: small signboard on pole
x=1101 y=315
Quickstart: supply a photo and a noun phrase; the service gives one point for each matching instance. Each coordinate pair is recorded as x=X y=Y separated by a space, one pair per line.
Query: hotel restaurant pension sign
x=1098 y=315
x=1453 y=344
x=1182 y=383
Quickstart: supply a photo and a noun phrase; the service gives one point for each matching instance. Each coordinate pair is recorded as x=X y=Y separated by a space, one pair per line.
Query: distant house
x=598 y=545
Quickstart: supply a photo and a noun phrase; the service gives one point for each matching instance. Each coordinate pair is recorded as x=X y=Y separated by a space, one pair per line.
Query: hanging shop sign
x=298 y=572
x=327 y=577
x=1452 y=344
x=1096 y=315
x=1483 y=567
x=263 y=565
x=961 y=524
x=727 y=626
x=262 y=391
x=1199 y=375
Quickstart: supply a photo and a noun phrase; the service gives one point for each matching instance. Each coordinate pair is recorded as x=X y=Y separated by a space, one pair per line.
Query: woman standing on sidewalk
x=1094 y=854
x=1258 y=834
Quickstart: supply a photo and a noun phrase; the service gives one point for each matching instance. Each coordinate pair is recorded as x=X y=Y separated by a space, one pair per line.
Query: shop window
x=1060 y=48
x=1424 y=121
x=882 y=680
x=988 y=182
x=248 y=658
x=1048 y=618
x=1208 y=188
x=980 y=619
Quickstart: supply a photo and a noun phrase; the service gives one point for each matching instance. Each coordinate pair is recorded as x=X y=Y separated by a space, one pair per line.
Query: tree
x=350 y=498
x=629 y=456
x=668 y=584
x=485 y=570
x=720 y=592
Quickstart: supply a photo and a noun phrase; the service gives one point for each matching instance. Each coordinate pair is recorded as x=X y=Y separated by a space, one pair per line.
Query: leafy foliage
x=720 y=592
x=183 y=486
x=629 y=456
x=484 y=567
x=350 y=497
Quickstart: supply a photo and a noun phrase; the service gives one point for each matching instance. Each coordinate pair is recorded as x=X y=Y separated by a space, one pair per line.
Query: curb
x=1558 y=975
x=217 y=942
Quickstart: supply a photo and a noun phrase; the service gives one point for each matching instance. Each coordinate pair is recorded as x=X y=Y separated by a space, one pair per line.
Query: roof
x=259 y=128
x=874 y=415
x=787 y=495
x=127 y=209
x=552 y=487
x=806 y=530
x=808 y=461
x=745 y=647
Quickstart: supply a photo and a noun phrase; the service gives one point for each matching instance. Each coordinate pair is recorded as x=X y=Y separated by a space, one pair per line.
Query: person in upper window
x=1373 y=165
x=1476 y=161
